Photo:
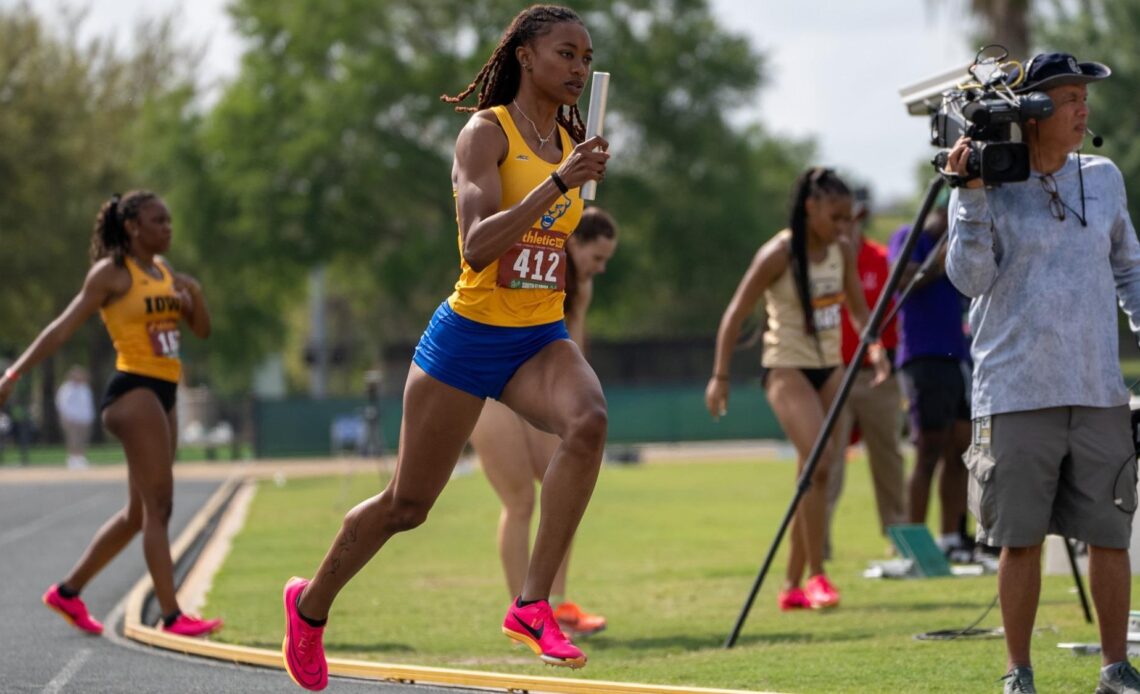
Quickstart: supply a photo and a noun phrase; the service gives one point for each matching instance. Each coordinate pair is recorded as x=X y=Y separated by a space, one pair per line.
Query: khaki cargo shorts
x=1069 y=471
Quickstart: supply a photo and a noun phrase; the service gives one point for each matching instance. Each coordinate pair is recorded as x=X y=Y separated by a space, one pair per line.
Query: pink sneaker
x=73 y=610
x=303 y=648
x=187 y=625
x=792 y=599
x=534 y=626
x=820 y=593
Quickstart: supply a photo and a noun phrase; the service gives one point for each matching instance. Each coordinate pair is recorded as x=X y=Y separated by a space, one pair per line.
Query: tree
x=694 y=196
x=1106 y=31
x=66 y=110
x=331 y=147
x=1006 y=22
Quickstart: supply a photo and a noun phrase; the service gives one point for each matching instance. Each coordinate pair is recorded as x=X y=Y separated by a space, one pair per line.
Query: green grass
x=668 y=553
x=1130 y=368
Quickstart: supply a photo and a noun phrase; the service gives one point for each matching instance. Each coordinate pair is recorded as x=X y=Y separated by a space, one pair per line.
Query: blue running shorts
x=478 y=358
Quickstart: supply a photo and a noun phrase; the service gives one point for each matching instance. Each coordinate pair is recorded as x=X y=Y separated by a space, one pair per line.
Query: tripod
x=870 y=334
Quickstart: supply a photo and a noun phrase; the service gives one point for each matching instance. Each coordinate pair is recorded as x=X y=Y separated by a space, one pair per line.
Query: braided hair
x=110 y=235
x=815 y=181
x=498 y=80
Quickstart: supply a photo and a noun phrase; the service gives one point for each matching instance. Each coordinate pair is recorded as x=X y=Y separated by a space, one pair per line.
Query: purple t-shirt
x=930 y=322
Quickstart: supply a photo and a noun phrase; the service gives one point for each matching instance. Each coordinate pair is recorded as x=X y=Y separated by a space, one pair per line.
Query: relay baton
x=594 y=121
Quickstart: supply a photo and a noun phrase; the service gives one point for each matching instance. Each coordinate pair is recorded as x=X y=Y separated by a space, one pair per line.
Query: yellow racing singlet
x=527 y=284
x=787 y=342
x=143 y=324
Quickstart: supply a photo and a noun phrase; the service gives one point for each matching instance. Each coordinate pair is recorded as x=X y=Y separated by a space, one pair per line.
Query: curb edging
x=218 y=505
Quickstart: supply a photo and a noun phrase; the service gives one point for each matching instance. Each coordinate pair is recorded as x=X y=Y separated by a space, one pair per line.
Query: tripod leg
x=1078 y=581
x=870 y=335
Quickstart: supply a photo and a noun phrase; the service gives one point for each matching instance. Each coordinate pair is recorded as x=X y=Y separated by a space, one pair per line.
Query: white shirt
x=74 y=402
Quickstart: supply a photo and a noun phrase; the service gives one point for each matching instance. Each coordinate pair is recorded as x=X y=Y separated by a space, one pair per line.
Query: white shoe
x=77 y=462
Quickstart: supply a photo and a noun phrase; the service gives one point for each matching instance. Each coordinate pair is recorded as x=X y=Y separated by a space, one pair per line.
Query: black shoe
x=959 y=555
x=987 y=550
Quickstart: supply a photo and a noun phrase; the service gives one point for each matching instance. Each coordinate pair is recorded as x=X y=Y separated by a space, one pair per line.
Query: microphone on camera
x=1097 y=140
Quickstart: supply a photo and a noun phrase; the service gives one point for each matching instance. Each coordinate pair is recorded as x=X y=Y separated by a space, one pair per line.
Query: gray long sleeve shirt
x=1043 y=290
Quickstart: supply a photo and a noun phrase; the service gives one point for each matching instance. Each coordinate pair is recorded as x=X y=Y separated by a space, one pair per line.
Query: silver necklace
x=541 y=140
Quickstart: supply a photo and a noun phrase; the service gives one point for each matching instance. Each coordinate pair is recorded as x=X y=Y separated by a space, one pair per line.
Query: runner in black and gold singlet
x=519 y=162
x=142 y=302
x=804 y=274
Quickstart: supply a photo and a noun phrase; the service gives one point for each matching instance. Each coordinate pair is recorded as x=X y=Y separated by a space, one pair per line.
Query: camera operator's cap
x=1048 y=70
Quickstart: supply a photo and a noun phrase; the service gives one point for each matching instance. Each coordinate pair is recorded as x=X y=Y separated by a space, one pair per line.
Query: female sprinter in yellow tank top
x=804 y=274
x=501 y=333
x=514 y=454
x=142 y=301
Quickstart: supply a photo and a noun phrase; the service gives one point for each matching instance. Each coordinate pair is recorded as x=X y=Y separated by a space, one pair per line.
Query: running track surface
x=44 y=526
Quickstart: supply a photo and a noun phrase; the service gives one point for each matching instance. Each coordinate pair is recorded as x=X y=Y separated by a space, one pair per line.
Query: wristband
x=12 y=374
x=720 y=377
x=559 y=182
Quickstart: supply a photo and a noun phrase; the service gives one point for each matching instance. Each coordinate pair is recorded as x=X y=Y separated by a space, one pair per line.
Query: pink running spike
x=73 y=610
x=187 y=625
x=792 y=599
x=820 y=592
x=303 y=648
x=535 y=627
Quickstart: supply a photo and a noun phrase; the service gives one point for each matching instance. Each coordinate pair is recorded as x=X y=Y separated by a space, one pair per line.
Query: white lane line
x=60 y=681
x=23 y=531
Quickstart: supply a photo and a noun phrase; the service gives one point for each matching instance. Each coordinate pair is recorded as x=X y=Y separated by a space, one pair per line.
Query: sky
x=834 y=68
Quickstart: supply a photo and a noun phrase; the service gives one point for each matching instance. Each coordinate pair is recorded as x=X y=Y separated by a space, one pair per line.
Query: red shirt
x=873 y=268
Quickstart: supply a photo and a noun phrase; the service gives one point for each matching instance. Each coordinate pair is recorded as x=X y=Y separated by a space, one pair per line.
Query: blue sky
x=834 y=68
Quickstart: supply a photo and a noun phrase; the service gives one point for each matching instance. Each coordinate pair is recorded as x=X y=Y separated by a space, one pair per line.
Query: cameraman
x=1043 y=260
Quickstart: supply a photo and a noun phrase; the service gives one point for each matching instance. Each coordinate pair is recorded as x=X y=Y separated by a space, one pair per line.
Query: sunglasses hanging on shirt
x=1057 y=205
